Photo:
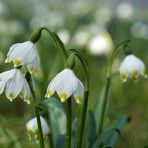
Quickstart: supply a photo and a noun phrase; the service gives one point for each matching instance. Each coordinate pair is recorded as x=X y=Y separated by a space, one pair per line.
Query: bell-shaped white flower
x=66 y=84
x=32 y=128
x=14 y=84
x=132 y=67
x=24 y=54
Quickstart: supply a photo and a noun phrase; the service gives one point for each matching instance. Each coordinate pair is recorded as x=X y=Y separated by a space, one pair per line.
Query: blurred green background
x=94 y=28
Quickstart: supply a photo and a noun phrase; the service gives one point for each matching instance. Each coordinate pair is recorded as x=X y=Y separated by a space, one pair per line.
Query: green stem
x=69 y=117
x=28 y=77
x=50 y=138
x=58 y=43
x=107 y=86
x=103 y=105
x=85 y=98
x=83 y=119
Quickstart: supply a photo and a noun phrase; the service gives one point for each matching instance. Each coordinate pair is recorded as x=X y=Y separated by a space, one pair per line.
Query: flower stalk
x=85 y=98
x=41 y=139
x=37 y=34
x=69 y=118
x=107 y=86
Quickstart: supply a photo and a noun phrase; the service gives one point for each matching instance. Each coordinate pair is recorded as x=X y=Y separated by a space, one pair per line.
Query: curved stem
x=28 y=77
x=86 y=94
x=69 y=118
x=59 y=44
x=113 y=56
x=107 y=86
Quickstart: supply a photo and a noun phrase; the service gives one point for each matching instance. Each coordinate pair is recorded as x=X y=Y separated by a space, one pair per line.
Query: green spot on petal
x=124 y=77
x=63 y=97
x=135 y=74
x=17 y=62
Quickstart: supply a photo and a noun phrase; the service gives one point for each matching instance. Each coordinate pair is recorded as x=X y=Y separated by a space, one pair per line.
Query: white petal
x=26 y=91
x=34 y=65
x=14 y=86
x=66 y=84
x=8 y=59
x=23 y=53
x=32 y=125
x=51 y=88
x=4 y=77
x=7 y=74
x=128 y=65
x=45 y=126
x=78 y=94
x=2 y=86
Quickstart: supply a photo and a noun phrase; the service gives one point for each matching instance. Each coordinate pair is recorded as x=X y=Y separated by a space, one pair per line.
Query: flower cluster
x=13 y=81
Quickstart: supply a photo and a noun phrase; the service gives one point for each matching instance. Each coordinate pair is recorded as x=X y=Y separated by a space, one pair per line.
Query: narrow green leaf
x=57 y=115
x=92 y=135
x=108 y=137
x=74 y=133
x=60 y=141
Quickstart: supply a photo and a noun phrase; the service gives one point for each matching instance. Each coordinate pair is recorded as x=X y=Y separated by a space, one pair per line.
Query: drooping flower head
x=14 y=84
x=32 y=128
x=132 y=67
x=66 y=84
x=24 y=54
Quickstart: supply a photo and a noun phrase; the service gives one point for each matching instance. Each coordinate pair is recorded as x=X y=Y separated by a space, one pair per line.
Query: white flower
x=132 y=67
x=32 y=128
x=65 y=84
x=24 y=54
x=14 y=84
x=100 y=44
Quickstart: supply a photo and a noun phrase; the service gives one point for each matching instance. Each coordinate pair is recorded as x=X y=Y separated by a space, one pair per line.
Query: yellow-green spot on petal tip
x=135 y=74
x=11 y=95
x=124 y=77
x=63 y=97
x=31 y=70
x=78 y=99
x=49 y=93
x=17 y=62
x=144 y=73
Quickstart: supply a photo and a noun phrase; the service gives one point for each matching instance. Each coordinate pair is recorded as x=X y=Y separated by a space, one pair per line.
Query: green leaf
x=9 y=137
x=74 y=133
x=118 y=125
x=108 y=137
x=92 y=135
x=60 y=142
x=57 y=116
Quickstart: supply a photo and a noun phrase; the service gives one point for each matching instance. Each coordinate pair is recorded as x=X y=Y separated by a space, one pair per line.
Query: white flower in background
x=24 y=54
x=103 y=14
x=100 y=44
x=66 y=84
x=14 y=84
x=132 y=67
x=139 y=30
x=32 y=128
x=81 y=38
x=125 y=11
